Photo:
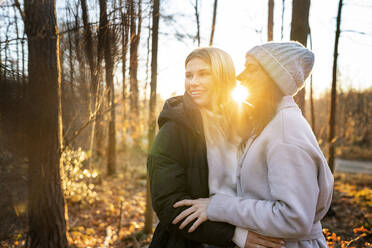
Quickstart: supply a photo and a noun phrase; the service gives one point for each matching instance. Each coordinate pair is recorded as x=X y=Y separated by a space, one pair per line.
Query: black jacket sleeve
x=168 y=185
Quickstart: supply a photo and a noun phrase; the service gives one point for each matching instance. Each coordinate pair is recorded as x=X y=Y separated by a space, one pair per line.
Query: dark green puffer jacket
x=178 y=169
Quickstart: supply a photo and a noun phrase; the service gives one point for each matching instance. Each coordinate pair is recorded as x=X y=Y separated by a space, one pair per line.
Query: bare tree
x=312 y=111
x=135 y=33
x=282 y=27
x=213 y=22
x=152 y=106
x=299 y=32
x=95 y=69
x=124 y=47
x=17 y=44
x=196 y=7
x=332 y=111
x=270 y=22
x=1 y=65
x=109 y=67
x=47 y=223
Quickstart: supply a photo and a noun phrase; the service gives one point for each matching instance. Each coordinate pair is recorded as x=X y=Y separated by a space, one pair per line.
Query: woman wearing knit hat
x=284 y=183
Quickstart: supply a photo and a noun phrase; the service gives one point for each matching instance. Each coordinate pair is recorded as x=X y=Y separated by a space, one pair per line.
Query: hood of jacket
x=182 y=110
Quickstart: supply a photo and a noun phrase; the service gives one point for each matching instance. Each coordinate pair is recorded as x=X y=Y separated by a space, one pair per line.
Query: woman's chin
x=200 y=101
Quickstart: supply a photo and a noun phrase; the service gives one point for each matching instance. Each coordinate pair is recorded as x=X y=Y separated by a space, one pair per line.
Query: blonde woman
x=284 y=183
x=194 y=156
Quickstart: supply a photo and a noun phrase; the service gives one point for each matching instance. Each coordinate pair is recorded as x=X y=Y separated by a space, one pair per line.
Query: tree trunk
x=83 y=85
x=95 y=67
x=135 y=33
x=93 y=76
x=47 y=224
x=312 y=111
x=152 y=106
x=106 y=33
x=70 y=59
x=124 y=47
x=213 y=23
x=1 y=65
x=332 y=111
x=124 y=51
x=196 y=7
x=282 y=27
x=299 y=32
x=17 y=44
x=270 y=22
x=23 y=63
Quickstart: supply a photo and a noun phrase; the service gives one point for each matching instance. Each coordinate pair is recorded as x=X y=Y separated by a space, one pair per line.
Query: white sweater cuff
x=240 y=236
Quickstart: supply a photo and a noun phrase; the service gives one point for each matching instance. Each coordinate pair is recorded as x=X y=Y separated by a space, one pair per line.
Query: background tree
x=282 y=26
x=152 y=106
x=332 y=109
x=213 y=23
x=299 y=32
x=47 y=224
x=107 y=35
x=270 y=22
x=196 y=8
x=135 y=13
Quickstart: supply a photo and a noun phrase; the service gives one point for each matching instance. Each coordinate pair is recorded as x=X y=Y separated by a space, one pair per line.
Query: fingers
x=196 y=224
x=183 y=203
x=183 y=215
x=189 y=219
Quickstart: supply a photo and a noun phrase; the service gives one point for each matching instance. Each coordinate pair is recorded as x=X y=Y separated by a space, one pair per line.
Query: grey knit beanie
x=287 y=63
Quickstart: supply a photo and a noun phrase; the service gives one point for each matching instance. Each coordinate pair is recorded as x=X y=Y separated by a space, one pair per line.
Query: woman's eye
x=204 y=74
x=188 y=76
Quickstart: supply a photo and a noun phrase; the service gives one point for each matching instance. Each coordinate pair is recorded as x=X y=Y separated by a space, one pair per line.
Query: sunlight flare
x=240 y=94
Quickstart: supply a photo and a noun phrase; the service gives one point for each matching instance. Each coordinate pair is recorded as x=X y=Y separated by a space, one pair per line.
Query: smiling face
x=199 y=82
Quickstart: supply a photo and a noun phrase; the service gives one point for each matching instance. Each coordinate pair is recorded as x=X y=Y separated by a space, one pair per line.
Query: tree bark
x=70 y=59
x=1 y=65
x=124 y=47
x=213 y=23
x=135 y=33
x=106 y=34
x=312 y=111
x=17 y=44
x=95 y=68
x=299 y=32
x=270 y=21
x=47 y=224
x=152 y=106
x=282 y=27
x=332 y=111
x=196 y=7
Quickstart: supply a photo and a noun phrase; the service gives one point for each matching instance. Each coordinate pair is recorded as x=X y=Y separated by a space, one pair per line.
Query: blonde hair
x=223 y=73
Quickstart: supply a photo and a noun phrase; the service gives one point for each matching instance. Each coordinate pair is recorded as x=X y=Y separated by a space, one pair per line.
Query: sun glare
x=240 y=94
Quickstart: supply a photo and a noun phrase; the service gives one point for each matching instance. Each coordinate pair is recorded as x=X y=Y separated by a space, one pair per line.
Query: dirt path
x=354 y=166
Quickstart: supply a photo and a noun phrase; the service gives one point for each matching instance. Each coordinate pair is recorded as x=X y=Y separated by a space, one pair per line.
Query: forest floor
x=114 y=215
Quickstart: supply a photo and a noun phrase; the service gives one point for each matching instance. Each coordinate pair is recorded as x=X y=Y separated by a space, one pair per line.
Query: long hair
x=265 y=107
x=223 y=73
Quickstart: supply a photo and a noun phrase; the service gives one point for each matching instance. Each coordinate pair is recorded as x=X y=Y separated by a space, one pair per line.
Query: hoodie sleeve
x=292 y=175
x=168 y=185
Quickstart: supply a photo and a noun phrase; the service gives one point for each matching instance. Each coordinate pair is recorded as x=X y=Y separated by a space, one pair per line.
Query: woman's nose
x=240 y=77
x=194 y=80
